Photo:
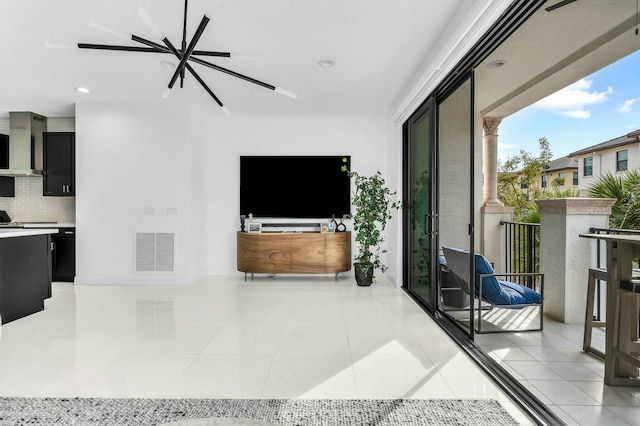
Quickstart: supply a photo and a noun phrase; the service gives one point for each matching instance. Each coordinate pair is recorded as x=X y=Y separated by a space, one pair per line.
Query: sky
x=595 y=109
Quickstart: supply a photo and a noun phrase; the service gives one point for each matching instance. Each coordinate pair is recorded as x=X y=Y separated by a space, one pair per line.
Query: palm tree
x=625 y=213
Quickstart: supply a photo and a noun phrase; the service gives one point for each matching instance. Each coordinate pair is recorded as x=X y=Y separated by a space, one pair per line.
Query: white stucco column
x=493 y=211
x=565 y=258
x=490 y=160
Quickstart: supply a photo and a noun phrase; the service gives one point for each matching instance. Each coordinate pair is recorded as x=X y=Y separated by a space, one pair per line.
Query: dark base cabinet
x=24 y=276
x=63 y=255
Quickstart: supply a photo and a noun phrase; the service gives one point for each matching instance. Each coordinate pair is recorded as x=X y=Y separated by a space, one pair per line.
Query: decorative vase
x=364 y=274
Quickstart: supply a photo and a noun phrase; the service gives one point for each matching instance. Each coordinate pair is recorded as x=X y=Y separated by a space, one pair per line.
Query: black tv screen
x=311 y=187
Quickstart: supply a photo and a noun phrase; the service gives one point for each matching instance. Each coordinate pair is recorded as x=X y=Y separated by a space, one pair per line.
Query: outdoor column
x=490 y=160
x=565 y=258
x=493 y=211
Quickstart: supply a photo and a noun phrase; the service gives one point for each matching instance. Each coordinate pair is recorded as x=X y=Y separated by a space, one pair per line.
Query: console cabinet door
x=337 y=248
x=248 y=252
x=275 y=254
x=307 y=253
x=59 y=164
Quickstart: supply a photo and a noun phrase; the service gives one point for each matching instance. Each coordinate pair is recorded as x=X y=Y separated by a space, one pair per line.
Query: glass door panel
x=419 y=218
x=455 y=199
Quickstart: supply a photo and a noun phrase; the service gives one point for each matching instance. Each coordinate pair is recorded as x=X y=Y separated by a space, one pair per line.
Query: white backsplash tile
x=29 y=205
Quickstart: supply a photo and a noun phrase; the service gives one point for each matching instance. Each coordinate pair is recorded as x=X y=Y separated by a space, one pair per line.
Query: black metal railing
x=601 y=264
x=522 y=247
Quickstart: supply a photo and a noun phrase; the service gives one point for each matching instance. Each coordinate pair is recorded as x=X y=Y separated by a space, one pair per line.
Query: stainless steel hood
x=25 y=144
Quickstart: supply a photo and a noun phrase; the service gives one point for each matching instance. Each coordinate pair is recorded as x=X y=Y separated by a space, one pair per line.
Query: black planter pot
x=364 y=274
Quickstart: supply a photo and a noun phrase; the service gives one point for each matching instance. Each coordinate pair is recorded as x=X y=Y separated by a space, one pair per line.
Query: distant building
x=563 y=171
x=615 y=156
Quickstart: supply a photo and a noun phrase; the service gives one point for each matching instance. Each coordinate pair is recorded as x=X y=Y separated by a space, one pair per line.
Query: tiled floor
x=552 y=365
x=271 y=338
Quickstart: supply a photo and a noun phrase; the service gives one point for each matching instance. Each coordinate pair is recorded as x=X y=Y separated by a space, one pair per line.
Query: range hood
x=25 y=144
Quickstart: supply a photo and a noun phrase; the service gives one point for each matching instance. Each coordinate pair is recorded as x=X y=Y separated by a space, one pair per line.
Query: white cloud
x=573 y=100
x=575 y=113
x=626 y=107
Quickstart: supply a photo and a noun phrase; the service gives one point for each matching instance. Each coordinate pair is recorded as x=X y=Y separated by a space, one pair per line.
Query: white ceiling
x=377 y=45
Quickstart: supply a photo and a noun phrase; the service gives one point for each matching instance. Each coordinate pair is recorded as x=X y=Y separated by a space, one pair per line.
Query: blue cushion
x=529 y=296
x=499 y=292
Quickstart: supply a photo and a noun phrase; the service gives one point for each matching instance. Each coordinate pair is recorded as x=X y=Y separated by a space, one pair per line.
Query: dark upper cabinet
x=59 y=163
x=4 y=151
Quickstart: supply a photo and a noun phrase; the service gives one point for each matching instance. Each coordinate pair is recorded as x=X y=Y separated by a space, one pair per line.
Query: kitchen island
x=25 y=271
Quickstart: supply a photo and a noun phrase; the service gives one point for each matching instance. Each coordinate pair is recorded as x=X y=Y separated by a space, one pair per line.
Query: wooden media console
x=294 y=253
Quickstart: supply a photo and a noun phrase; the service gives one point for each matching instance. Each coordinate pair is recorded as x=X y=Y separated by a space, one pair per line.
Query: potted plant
x=373 y=204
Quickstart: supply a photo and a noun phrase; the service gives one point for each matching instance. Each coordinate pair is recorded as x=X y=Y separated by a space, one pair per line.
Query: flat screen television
x=308 y=187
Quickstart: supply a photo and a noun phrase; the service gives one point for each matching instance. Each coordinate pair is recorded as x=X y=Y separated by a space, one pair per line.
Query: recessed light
x=167 y=64
x=82 y=90
x=496 y=64
x=326 y=63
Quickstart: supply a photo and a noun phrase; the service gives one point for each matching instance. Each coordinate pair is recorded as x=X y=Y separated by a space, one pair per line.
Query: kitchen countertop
x=49 y=225
x=20 y=232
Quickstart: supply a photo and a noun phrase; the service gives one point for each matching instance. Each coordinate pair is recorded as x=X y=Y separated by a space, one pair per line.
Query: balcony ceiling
x=554 y=49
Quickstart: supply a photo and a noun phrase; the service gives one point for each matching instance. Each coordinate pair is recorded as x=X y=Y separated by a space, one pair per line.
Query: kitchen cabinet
x=63 y=255
x=4 y=151
x=59 y=164
x=24 y=274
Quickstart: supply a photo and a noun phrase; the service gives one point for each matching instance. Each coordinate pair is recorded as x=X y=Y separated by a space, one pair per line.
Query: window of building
x=544 y=181
x=523 y=184
x=588 y=166
x=621 y=160
x=575 y=178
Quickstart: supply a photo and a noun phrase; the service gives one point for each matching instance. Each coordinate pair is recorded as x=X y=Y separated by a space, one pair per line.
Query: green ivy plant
x=374 y=204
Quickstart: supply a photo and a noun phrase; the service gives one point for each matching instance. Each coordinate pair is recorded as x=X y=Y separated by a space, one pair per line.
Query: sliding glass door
x=420 y=221
x=456 y=194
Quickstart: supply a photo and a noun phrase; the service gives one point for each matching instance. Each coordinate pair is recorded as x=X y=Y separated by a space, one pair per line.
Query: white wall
x=138 y=169
x=364 y=138
x=135 y=158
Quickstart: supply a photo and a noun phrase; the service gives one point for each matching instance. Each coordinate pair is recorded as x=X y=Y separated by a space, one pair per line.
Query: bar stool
x=589 y=323
x=626 y=337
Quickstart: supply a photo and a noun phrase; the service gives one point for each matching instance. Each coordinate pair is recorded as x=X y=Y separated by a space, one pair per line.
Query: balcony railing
x=522 y=247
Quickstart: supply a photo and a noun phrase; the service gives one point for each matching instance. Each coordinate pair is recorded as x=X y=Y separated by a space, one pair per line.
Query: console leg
x=336 y=277
x=245 y=277
x=252 y=276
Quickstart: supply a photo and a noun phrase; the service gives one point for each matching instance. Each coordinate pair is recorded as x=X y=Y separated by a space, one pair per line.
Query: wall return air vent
x=154 y=252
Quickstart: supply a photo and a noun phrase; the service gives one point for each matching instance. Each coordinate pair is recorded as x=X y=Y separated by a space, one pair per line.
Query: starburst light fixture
x=185 y=54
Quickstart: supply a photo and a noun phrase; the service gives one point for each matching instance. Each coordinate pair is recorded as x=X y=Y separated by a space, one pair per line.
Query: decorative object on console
x=255 y=227
x=373 y=203
x=333 y=221
x=242 y=217
x=341 y=227
x=184 y=54
x=327 y=227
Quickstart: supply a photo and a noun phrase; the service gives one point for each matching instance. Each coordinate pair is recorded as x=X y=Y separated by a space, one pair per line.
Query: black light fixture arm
x=194 y=73
x=187 y=54
x=148 y=50
x=170 y=48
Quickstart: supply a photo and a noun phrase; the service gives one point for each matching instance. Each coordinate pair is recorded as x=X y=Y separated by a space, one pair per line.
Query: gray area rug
x=330 y=412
